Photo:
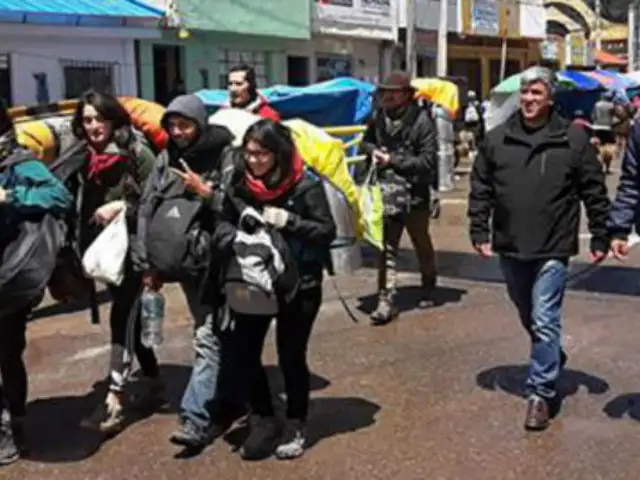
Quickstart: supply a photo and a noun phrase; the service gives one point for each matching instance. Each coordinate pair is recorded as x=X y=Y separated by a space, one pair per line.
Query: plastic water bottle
x=151 y=317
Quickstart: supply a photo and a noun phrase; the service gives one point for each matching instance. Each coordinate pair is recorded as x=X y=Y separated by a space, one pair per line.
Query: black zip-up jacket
x=532 y=191
x=413 y=149
x=309 y=230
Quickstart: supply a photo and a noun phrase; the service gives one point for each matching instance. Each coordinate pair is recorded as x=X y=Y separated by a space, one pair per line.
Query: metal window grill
x=258 y=60
x=80 y=76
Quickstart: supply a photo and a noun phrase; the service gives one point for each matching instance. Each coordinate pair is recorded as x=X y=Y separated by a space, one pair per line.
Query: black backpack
x=29 y=258
x=178 y=243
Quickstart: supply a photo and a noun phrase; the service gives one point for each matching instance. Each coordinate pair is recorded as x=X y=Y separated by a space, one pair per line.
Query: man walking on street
x=401 y=143
x=529 y=178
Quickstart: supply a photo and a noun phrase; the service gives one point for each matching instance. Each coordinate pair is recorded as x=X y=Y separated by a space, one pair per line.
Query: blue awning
x=78 y=12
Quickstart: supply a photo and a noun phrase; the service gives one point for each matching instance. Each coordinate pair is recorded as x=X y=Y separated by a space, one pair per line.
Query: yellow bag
x=325 y=154
x=372 y=208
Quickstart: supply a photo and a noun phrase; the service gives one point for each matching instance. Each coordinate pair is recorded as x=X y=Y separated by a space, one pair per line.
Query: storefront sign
x=549 y=50
x=485 y=18
x=362 y=18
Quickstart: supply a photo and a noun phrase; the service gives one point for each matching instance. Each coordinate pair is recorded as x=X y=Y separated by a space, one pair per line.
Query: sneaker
x=190 y=436
x=108 y=417
x=9 y=452
x=262 y=438
x=293 y=441
x=384 y=314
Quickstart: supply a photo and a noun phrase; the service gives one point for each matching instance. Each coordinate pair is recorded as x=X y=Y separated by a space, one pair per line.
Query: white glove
x=277 y=217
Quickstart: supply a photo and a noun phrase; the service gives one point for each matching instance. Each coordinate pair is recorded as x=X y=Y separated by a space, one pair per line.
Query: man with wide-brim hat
x=401 y=145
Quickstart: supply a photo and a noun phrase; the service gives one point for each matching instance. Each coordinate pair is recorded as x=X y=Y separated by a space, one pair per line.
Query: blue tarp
x=76 y=12
x=342 y=101
x=581 y=81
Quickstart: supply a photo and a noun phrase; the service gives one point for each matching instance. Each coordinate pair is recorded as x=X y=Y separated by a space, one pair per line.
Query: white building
x=350 y=38
x=48 y=54
x=426 y=22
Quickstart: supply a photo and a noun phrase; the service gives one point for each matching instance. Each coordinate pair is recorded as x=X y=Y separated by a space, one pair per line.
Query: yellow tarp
x=442 y=92
x=325 y=154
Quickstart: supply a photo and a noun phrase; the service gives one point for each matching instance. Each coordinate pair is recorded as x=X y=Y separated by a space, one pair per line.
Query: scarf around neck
x=263 y=193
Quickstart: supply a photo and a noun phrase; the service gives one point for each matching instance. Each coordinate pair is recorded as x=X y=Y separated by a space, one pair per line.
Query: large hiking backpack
x=29 y=257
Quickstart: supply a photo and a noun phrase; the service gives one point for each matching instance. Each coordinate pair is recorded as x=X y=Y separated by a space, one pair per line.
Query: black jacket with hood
x=530 y=189
x=204 y=156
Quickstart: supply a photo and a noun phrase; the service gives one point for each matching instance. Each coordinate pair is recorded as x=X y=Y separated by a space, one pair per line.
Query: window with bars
x=258 y=60
x=5 y=79
x=80 y=76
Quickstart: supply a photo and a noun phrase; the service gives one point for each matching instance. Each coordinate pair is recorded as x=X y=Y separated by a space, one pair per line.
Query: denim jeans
x=536 y=287
x=202 y=387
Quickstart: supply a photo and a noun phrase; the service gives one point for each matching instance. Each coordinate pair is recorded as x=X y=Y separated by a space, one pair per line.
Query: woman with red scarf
x=291 y=200
x=116 y=167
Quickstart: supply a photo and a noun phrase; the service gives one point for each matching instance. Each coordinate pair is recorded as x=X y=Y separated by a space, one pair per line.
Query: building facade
x=48 y=58
x=349 y=38
x=204 y=42
x=476 y=50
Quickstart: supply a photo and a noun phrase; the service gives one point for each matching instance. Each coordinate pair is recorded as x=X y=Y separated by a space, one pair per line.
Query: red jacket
x=266 y=111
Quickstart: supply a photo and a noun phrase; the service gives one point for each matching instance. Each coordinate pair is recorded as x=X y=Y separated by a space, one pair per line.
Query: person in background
x=292 y=201
x=118 y=163
x=243 y=93
x=401 y=143
x=624 y=211
x=527 y=183
x=189 y=169
x=28 y=191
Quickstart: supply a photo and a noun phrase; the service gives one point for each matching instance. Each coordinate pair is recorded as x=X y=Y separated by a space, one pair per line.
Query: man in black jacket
x=187 y=174
x=529 y=178
x=402 y=145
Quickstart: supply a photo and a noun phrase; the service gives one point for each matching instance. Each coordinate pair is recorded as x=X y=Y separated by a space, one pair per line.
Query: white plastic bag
x=104 y=259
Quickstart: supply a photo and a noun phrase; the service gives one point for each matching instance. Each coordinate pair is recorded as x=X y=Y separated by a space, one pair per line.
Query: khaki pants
x=417 y=225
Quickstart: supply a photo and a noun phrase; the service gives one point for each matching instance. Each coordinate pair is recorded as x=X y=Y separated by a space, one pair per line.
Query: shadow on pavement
x=607 y=278
x=511 y=379
x=54 y=430
x=409 y=296
x=627 y=405
x=67 y=308
x=276 y=380
x=328 y=417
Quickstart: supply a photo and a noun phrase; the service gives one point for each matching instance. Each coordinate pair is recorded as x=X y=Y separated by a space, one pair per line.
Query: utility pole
x=442 y=38
x=598 y=25
x=410 y=48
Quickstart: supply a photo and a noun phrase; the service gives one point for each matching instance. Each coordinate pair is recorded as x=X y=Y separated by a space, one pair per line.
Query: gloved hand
x=277 y=217
x=5 y=195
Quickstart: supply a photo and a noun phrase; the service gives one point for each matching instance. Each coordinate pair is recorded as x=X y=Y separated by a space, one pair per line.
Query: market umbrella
x=442 y=92
x=512 y=84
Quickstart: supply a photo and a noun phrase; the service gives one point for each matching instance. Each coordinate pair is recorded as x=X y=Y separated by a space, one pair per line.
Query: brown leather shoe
x=537 y=414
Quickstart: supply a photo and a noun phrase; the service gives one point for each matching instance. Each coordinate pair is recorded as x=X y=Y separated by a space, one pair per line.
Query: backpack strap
x=16 y=158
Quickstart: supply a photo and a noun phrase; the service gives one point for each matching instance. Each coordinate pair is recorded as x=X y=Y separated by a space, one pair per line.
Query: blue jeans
x=202 y=387
x=536 y=287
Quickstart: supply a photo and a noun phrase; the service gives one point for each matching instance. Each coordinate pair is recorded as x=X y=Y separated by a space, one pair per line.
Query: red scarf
x=263 y=193
x=99 y=162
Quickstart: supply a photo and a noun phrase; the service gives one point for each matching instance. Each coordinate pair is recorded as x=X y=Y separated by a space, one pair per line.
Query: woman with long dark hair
x=291 y=200
x=116 y=167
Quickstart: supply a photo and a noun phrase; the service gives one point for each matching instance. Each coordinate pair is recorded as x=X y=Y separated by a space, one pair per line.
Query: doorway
x=168 y=67
x=297 y=71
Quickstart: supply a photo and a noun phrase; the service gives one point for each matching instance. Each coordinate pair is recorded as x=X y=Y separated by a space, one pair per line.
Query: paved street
x=433 y=396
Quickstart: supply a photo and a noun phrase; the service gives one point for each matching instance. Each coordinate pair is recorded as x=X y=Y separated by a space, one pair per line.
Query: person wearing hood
x=243 y=93
x=189 y=170
x=28 y=193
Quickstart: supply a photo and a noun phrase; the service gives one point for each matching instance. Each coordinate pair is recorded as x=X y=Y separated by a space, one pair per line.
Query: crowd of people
x=231 y=223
